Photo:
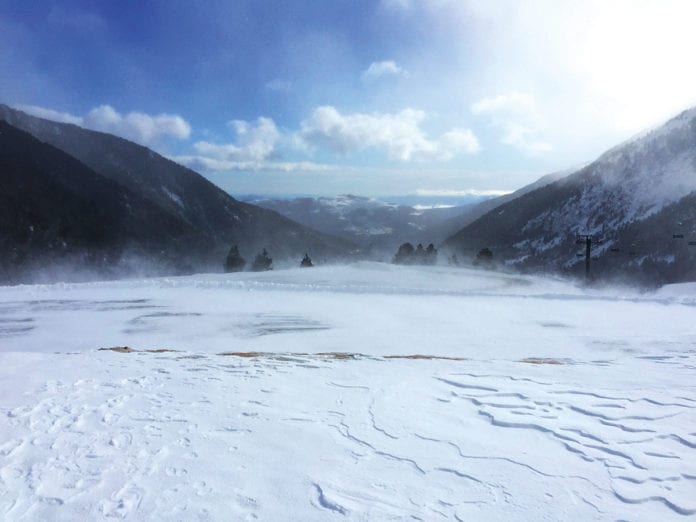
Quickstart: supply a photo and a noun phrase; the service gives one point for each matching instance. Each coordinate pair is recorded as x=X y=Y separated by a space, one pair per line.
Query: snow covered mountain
x=375 y=225
x=217 y=219
x=471 y=213
x=637 y=198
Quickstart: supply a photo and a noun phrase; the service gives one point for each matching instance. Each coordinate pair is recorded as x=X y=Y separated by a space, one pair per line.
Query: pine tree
x=484 y=258
x=431 y=254
x=262 y=262
x=404 y=255
x=234 y=262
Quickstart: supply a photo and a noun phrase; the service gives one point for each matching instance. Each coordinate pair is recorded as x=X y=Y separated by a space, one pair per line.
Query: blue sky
x=373 y=98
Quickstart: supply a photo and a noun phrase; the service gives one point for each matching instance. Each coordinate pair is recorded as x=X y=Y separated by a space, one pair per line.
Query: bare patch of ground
x=338 y=355
x=541 y=360
x=128 y=349
x=419 y=356
x=322 y=355
x=244 y=354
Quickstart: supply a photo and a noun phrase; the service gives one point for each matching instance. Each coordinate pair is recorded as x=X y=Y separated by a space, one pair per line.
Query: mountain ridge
x=54 y=209
x=220 y=219
x=625 y=186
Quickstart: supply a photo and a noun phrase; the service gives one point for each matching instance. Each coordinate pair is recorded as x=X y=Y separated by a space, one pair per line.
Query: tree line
x=262 y=262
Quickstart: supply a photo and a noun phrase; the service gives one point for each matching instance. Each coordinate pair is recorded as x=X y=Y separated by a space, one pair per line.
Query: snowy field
x=367 y=392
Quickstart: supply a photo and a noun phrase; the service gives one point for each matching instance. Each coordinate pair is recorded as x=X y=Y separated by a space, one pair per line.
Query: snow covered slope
x=367 y=392
x=623 y=189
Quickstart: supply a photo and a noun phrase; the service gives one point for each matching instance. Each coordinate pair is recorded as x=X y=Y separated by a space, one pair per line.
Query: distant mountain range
x=377 y=226
x=637 y=201
x=71 y=197
x=105 y=196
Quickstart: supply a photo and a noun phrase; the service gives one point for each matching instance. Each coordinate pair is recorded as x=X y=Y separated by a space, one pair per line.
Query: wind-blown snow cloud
x=136 y=126
x=516 y=115
x=380 y=69
x=50 y=114
x=399 y=135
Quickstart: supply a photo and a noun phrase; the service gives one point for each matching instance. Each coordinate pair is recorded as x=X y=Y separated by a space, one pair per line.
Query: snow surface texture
x=554 y=403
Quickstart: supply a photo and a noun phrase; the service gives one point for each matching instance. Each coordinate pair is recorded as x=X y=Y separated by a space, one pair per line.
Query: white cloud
x=399 y=135
x=278 y=84
x=517 y=117
x=136 y=126
x=460 y=193
x=254 y=149
x=255 y=142
x=203 y=163
x=512 y=103
x=457 y=141
x=523 y=138
x=50 y=114
x=380 y=69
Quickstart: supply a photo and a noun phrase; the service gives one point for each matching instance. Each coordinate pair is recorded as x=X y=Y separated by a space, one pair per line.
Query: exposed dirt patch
x=119 y=349
x=294 y=357
x=541 y=360
x=418 y=356
x=128 y=349
x=291 y=356
x=244 y=354
x=338 y=355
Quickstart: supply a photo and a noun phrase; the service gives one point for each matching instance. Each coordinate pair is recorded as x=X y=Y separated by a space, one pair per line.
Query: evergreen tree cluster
x=484 y=258
x=236 y=263
x=262 y=262
x=407 y=255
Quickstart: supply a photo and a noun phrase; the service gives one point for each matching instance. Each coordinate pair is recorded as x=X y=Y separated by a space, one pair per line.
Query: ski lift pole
x=587 y=239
